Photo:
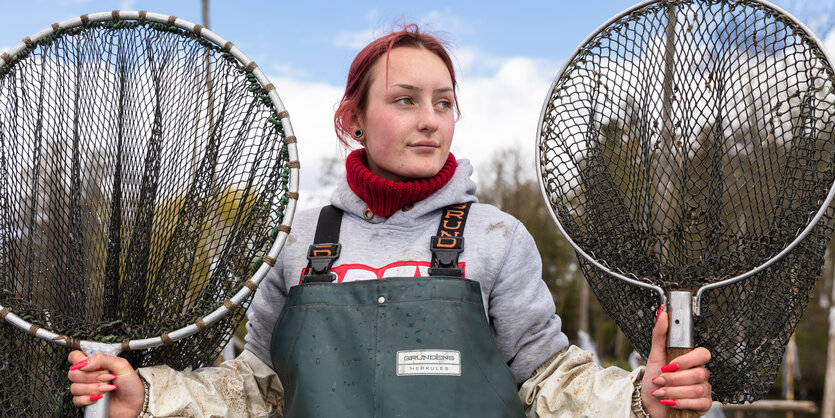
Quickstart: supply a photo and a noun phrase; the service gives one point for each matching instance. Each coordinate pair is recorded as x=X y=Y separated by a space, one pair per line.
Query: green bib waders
x=392 y=347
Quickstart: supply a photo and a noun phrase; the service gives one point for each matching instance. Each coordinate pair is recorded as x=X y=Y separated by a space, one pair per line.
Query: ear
x=357 y=120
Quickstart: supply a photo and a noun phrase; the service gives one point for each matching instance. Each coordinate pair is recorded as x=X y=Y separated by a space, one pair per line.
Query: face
x=409 y=119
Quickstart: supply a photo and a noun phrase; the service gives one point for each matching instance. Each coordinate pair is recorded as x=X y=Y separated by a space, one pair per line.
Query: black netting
x=144 y=174
x=686 y=143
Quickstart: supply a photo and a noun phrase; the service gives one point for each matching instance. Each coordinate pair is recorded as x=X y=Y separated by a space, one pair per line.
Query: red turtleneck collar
x=384 y=197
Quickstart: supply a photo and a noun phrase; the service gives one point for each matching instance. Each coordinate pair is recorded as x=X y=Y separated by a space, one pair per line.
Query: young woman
x=386 y=324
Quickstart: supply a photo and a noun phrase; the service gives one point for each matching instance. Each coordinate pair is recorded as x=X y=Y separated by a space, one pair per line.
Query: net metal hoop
x=289 y=211
x=602 y=265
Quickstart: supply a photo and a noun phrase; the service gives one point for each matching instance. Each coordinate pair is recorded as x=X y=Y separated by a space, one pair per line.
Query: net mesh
x=688 y=142
x=144 y=173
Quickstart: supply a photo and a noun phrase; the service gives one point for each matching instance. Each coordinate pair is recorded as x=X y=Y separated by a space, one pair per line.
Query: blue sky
x=318 y=38
x=507 y=54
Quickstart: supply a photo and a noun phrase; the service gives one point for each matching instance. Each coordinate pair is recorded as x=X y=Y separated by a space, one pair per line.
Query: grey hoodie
x=499 y=253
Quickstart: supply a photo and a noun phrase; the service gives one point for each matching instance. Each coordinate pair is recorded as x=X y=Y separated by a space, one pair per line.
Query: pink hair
x=359 y=76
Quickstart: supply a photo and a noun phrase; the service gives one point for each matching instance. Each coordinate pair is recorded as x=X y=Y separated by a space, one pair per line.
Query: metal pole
x=205 y=14
x=789 y=370
x=829 y=380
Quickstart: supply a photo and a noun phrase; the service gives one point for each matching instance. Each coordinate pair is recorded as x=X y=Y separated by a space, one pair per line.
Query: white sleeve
x=243 y=387
x=571 y=384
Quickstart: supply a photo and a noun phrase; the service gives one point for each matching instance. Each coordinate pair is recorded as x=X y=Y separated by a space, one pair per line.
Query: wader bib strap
x=325 y=249
x=448 y=243
x=394 y=347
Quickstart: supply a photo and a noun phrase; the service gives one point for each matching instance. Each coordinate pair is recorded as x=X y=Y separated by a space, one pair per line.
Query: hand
x=89 y=381
x=685 y=388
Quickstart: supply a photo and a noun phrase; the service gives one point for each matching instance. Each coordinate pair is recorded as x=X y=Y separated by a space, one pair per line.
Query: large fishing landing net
x=149 y=177
x=689 y=144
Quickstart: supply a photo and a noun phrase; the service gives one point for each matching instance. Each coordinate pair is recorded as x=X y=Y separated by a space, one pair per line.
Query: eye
x=445 y=104
x=404 y=101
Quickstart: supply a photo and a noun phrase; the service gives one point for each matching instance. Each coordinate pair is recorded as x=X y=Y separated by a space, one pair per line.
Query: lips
x=425 y=145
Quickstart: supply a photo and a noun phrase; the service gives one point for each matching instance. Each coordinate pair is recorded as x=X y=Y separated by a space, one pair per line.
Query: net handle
x=289 y=210
x=824 y=206
x=99 y=408
x=672 y=353
x=679 y=336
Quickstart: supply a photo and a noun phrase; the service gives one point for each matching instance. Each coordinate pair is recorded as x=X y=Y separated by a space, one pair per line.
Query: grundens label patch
x=429 y=362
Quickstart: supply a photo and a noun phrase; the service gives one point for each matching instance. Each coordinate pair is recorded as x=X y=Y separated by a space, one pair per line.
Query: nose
x=428 y=119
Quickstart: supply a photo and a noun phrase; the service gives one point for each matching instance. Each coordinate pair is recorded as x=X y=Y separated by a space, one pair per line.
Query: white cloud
x=433 y=20
x=501 y=110
x=372 y=15
x=311 y=107
x=354 y=40
x=829 y=43
x=471 y=60
x=64 y=4
x=288 y=71
x=127 y=5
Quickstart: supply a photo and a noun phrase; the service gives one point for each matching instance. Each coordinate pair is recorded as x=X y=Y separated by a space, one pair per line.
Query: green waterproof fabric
x=335 y=347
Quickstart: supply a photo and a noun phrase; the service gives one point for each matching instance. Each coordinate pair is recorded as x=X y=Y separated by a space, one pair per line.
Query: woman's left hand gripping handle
x=93 y=376
x=682 y=384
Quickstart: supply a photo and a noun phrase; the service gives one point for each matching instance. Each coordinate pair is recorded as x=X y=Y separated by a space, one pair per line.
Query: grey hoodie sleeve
x=263 y=312
x=521 y=309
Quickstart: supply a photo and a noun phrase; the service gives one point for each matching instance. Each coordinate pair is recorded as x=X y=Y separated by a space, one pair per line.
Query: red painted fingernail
x=109 y=376
x=658 y=314
x=670 y=368
x=107 y=388
x=653 y=392
x=668 y=402
x=97 y=397
x=78 y=365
